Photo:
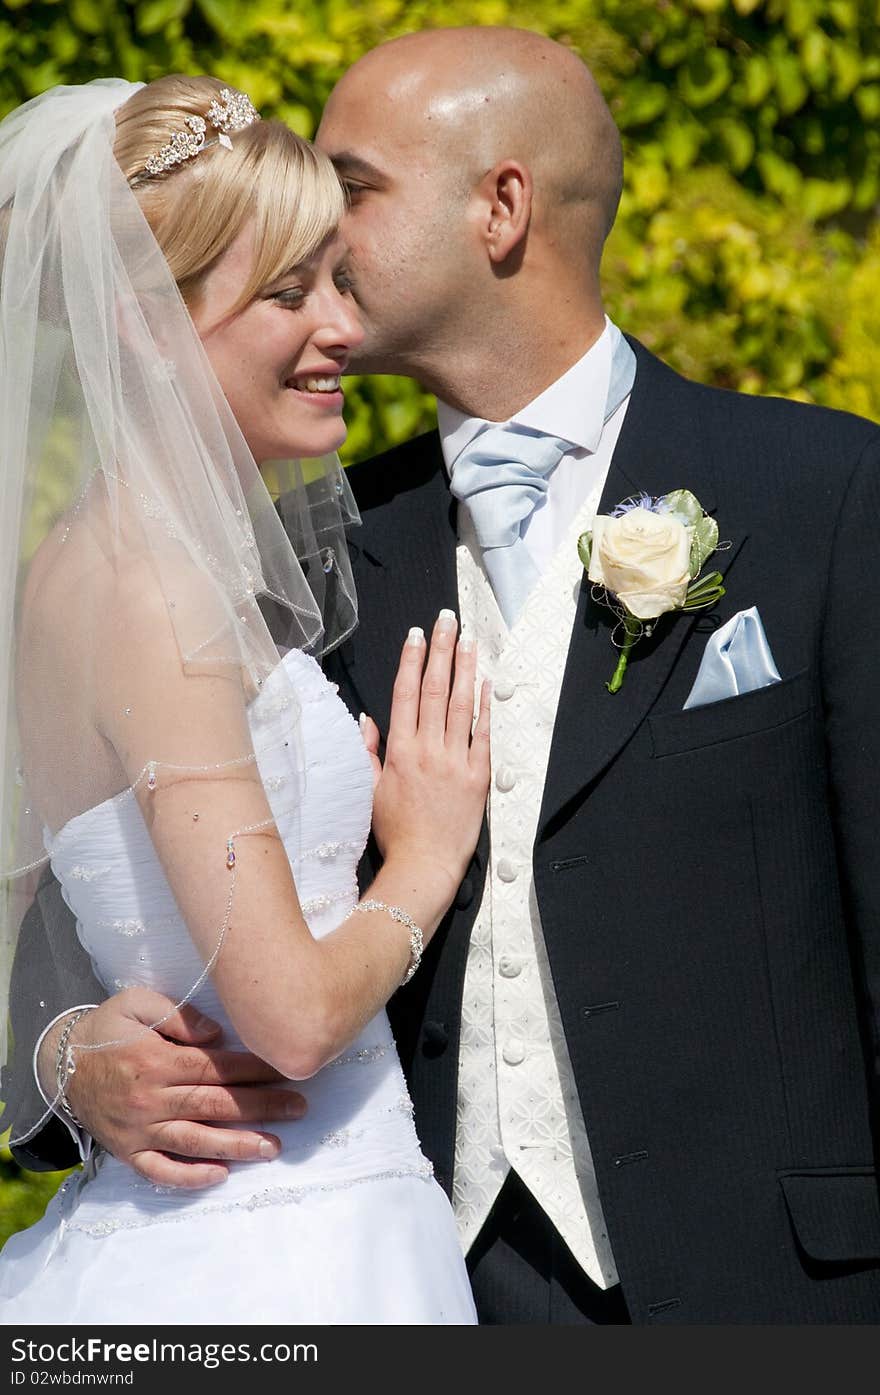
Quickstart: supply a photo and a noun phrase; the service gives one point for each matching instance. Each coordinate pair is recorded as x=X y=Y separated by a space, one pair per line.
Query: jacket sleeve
x=51 y=972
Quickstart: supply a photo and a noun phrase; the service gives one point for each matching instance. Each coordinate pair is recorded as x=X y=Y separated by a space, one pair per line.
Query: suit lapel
x=659 y=449
x=403 y=562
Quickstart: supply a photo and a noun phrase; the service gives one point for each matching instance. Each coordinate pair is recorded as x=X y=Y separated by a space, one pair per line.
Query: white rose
x=644 y=559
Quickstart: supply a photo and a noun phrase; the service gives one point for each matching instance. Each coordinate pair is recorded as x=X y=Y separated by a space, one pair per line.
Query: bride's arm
x=295 y=1001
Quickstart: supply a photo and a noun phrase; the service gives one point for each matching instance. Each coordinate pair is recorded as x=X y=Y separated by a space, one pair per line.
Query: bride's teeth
x=321 y=384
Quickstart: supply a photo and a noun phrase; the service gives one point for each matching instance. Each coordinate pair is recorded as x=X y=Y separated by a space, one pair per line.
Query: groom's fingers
x=190 y=1066
x=188 y=1025
x=185 y=1024
x=205 y=1143
x=170 y=1172
x=219 y=1105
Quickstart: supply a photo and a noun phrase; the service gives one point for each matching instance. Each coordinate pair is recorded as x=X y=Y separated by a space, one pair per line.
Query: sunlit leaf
x=738 y=141
x=789 y=82
x=757 y=79
x=705 y=77
x=154 y=15
x=867 y=100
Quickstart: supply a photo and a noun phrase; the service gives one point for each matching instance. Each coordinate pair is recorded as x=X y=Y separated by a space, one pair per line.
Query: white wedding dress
x=347 y=1224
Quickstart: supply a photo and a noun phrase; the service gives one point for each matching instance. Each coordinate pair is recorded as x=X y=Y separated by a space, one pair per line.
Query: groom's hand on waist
x=155 y=1098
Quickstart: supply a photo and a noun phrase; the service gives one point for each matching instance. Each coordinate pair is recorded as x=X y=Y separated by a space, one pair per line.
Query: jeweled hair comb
x=231 y=111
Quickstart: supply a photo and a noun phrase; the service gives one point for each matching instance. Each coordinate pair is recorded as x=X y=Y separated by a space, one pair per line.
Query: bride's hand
x=430 y=795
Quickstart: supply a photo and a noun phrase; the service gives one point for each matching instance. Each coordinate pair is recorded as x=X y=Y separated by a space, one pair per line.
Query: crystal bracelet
x=416 y=935
x=64 y=1066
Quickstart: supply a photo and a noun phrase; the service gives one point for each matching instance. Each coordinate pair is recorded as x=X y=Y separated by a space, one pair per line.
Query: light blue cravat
x=503 y=473
x=501 y=476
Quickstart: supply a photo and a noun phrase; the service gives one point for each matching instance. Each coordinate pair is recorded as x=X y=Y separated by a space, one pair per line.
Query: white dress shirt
x=82 y=1139
x=573 y=407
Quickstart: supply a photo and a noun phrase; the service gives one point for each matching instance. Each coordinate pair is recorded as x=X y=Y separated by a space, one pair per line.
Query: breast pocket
x=673 y=733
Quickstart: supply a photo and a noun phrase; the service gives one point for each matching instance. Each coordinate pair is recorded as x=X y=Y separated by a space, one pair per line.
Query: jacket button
x=435 y=1039
x=465 y=894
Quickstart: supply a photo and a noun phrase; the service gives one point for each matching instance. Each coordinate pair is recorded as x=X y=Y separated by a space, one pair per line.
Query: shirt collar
x=573 y=407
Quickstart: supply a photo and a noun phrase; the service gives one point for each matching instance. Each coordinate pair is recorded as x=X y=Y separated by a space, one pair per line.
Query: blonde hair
x=197 y=209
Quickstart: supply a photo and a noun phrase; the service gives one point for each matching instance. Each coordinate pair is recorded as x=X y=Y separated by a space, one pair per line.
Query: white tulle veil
x=120 y=458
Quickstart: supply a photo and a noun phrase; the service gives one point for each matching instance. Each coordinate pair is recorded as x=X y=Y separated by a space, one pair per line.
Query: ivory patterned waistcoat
x=517 y=1101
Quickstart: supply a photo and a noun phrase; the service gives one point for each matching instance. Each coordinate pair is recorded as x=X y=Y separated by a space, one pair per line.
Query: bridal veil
x=121 y=466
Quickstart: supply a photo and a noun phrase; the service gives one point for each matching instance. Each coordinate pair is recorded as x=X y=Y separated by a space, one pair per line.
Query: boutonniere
x=645 y=559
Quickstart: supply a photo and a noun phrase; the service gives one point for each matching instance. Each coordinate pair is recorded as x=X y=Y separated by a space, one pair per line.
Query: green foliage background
x=747 y=251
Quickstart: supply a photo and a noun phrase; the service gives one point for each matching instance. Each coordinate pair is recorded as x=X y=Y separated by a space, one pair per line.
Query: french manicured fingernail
x=467 y=644
x=416 y=636
x=267 y=1149
x=446 y=621
x=362 y=720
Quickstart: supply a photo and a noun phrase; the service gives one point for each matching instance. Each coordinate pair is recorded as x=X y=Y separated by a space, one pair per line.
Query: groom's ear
x=505 y=197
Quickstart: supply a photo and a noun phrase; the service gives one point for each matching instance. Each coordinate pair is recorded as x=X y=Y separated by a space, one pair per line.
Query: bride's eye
x=291 y=299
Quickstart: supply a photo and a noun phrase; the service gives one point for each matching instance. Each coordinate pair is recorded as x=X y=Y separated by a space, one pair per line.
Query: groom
x=643 y=1048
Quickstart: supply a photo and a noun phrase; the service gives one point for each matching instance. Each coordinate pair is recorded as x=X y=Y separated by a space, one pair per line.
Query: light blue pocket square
x=736 y=660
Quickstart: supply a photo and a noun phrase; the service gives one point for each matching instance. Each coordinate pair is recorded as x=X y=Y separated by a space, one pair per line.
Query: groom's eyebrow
x=351 y=166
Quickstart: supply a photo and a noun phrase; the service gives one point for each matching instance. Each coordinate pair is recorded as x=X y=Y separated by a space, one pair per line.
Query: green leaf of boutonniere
x=682 y=504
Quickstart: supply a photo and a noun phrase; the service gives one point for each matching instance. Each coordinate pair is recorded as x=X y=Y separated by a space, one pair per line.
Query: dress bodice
x=112 y=879
x=358 y=1123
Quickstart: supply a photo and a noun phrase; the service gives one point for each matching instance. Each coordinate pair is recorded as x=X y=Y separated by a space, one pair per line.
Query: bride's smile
x=280 y=357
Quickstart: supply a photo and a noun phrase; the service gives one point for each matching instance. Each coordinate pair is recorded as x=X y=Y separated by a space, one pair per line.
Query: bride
x=175 y=315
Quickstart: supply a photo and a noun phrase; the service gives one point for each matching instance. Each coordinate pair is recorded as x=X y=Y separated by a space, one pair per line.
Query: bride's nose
x=343 y=329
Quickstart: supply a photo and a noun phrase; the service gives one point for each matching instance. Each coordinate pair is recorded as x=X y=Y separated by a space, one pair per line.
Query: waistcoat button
x=513 y=1052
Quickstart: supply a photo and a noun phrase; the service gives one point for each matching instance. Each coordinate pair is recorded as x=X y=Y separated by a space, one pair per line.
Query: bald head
x=484 y=171
x=473 y=97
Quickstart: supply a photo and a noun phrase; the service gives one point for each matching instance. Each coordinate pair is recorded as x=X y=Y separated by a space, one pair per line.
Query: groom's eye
x=343 y=280
x=353 y=189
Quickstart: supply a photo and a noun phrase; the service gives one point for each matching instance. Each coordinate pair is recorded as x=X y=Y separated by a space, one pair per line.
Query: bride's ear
x=505 y=195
